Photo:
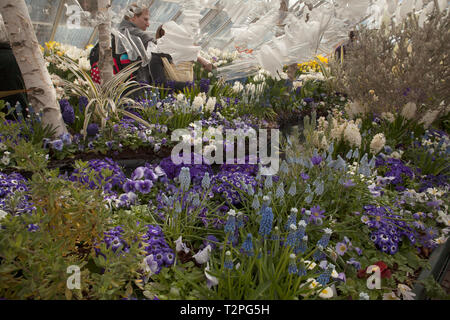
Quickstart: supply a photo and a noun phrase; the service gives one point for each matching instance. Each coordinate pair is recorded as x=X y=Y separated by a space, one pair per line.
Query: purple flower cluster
x=156 y=245
x=197 y=171
x=113 y=240
x=204 y=85
x=153 y=242
x=9 y=185
x=390 y=229
x=432 y=181
x=249 y=169
x=92 y=129
x=226 y=183
x=117 y=179
x=397 y=169
x=67 y=111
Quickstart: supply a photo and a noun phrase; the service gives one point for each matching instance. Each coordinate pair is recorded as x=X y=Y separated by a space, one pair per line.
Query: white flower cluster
x=339 y=129
x=437 y=144
x=80 y=56
x=377 y=143
x=218 y=57
x=5 y=158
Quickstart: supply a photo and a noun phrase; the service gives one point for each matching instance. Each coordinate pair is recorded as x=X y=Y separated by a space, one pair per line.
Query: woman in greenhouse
x=136 y=22
x=157 y=66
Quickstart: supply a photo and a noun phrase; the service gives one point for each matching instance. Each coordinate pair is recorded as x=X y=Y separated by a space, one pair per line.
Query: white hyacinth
x=352 y=134
x=377 y=143
x=409 y=110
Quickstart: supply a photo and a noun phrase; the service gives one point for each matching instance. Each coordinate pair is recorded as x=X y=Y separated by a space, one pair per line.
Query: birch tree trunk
x=42 y=94
x=105 y=64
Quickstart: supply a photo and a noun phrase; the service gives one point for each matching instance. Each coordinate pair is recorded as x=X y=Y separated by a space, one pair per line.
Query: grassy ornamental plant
x=385 y=69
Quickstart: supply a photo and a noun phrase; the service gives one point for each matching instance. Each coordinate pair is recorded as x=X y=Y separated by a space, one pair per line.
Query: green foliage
x=434 y=290
x=179 y=282
x=108 y=100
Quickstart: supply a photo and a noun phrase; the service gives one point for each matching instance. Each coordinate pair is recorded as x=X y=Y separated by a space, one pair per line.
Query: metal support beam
x=223 y=26
x=59 y=14
x=177 y=15
x=92 y=37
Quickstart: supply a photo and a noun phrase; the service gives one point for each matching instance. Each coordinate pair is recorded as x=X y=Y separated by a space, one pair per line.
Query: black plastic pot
x=439 y=261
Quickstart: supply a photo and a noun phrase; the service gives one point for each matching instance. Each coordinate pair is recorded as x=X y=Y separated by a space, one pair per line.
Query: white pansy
x=3 y=214
x=211 y=280
x=180 y=246
x=326 y=293
x=202 y=256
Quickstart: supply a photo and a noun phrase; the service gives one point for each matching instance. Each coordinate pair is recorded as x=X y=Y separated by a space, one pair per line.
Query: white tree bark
x=105 y=64
x=42 y=94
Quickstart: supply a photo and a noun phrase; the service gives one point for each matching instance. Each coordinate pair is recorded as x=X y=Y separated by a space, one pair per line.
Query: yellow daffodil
x=50 y=45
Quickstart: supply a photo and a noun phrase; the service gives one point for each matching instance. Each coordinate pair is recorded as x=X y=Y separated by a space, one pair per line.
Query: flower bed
x=357 y=193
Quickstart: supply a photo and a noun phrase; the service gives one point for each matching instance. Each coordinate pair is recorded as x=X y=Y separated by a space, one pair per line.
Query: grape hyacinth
x=292 y=267
x=247 y=246
x=265 y=226
x=228 y=264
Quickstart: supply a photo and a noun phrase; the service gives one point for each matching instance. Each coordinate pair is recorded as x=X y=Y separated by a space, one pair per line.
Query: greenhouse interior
x=224 y=150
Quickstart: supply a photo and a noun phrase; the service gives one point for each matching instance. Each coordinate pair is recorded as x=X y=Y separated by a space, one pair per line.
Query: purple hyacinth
x=68 y=115
x=92 y=129
x=316 y=160
x=204 y=85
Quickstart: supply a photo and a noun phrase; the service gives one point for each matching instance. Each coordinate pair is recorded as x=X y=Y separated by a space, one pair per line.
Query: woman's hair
x=134 y=10
x=160 y=32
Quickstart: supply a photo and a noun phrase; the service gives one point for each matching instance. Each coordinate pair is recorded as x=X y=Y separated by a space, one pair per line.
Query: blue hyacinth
x=228 y=264
x=324 y=278
x=255 y=203
x=292 y=219
x=323 y=242
x=247 y=246
x=302 y=245
x=292 y=267
x=293 y=189
x=291 y=238
x=265 y=226
x=280 y=191
x=301 y=271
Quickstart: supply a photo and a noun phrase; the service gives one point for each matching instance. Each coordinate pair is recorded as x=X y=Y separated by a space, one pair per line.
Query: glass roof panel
x=42 y=13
